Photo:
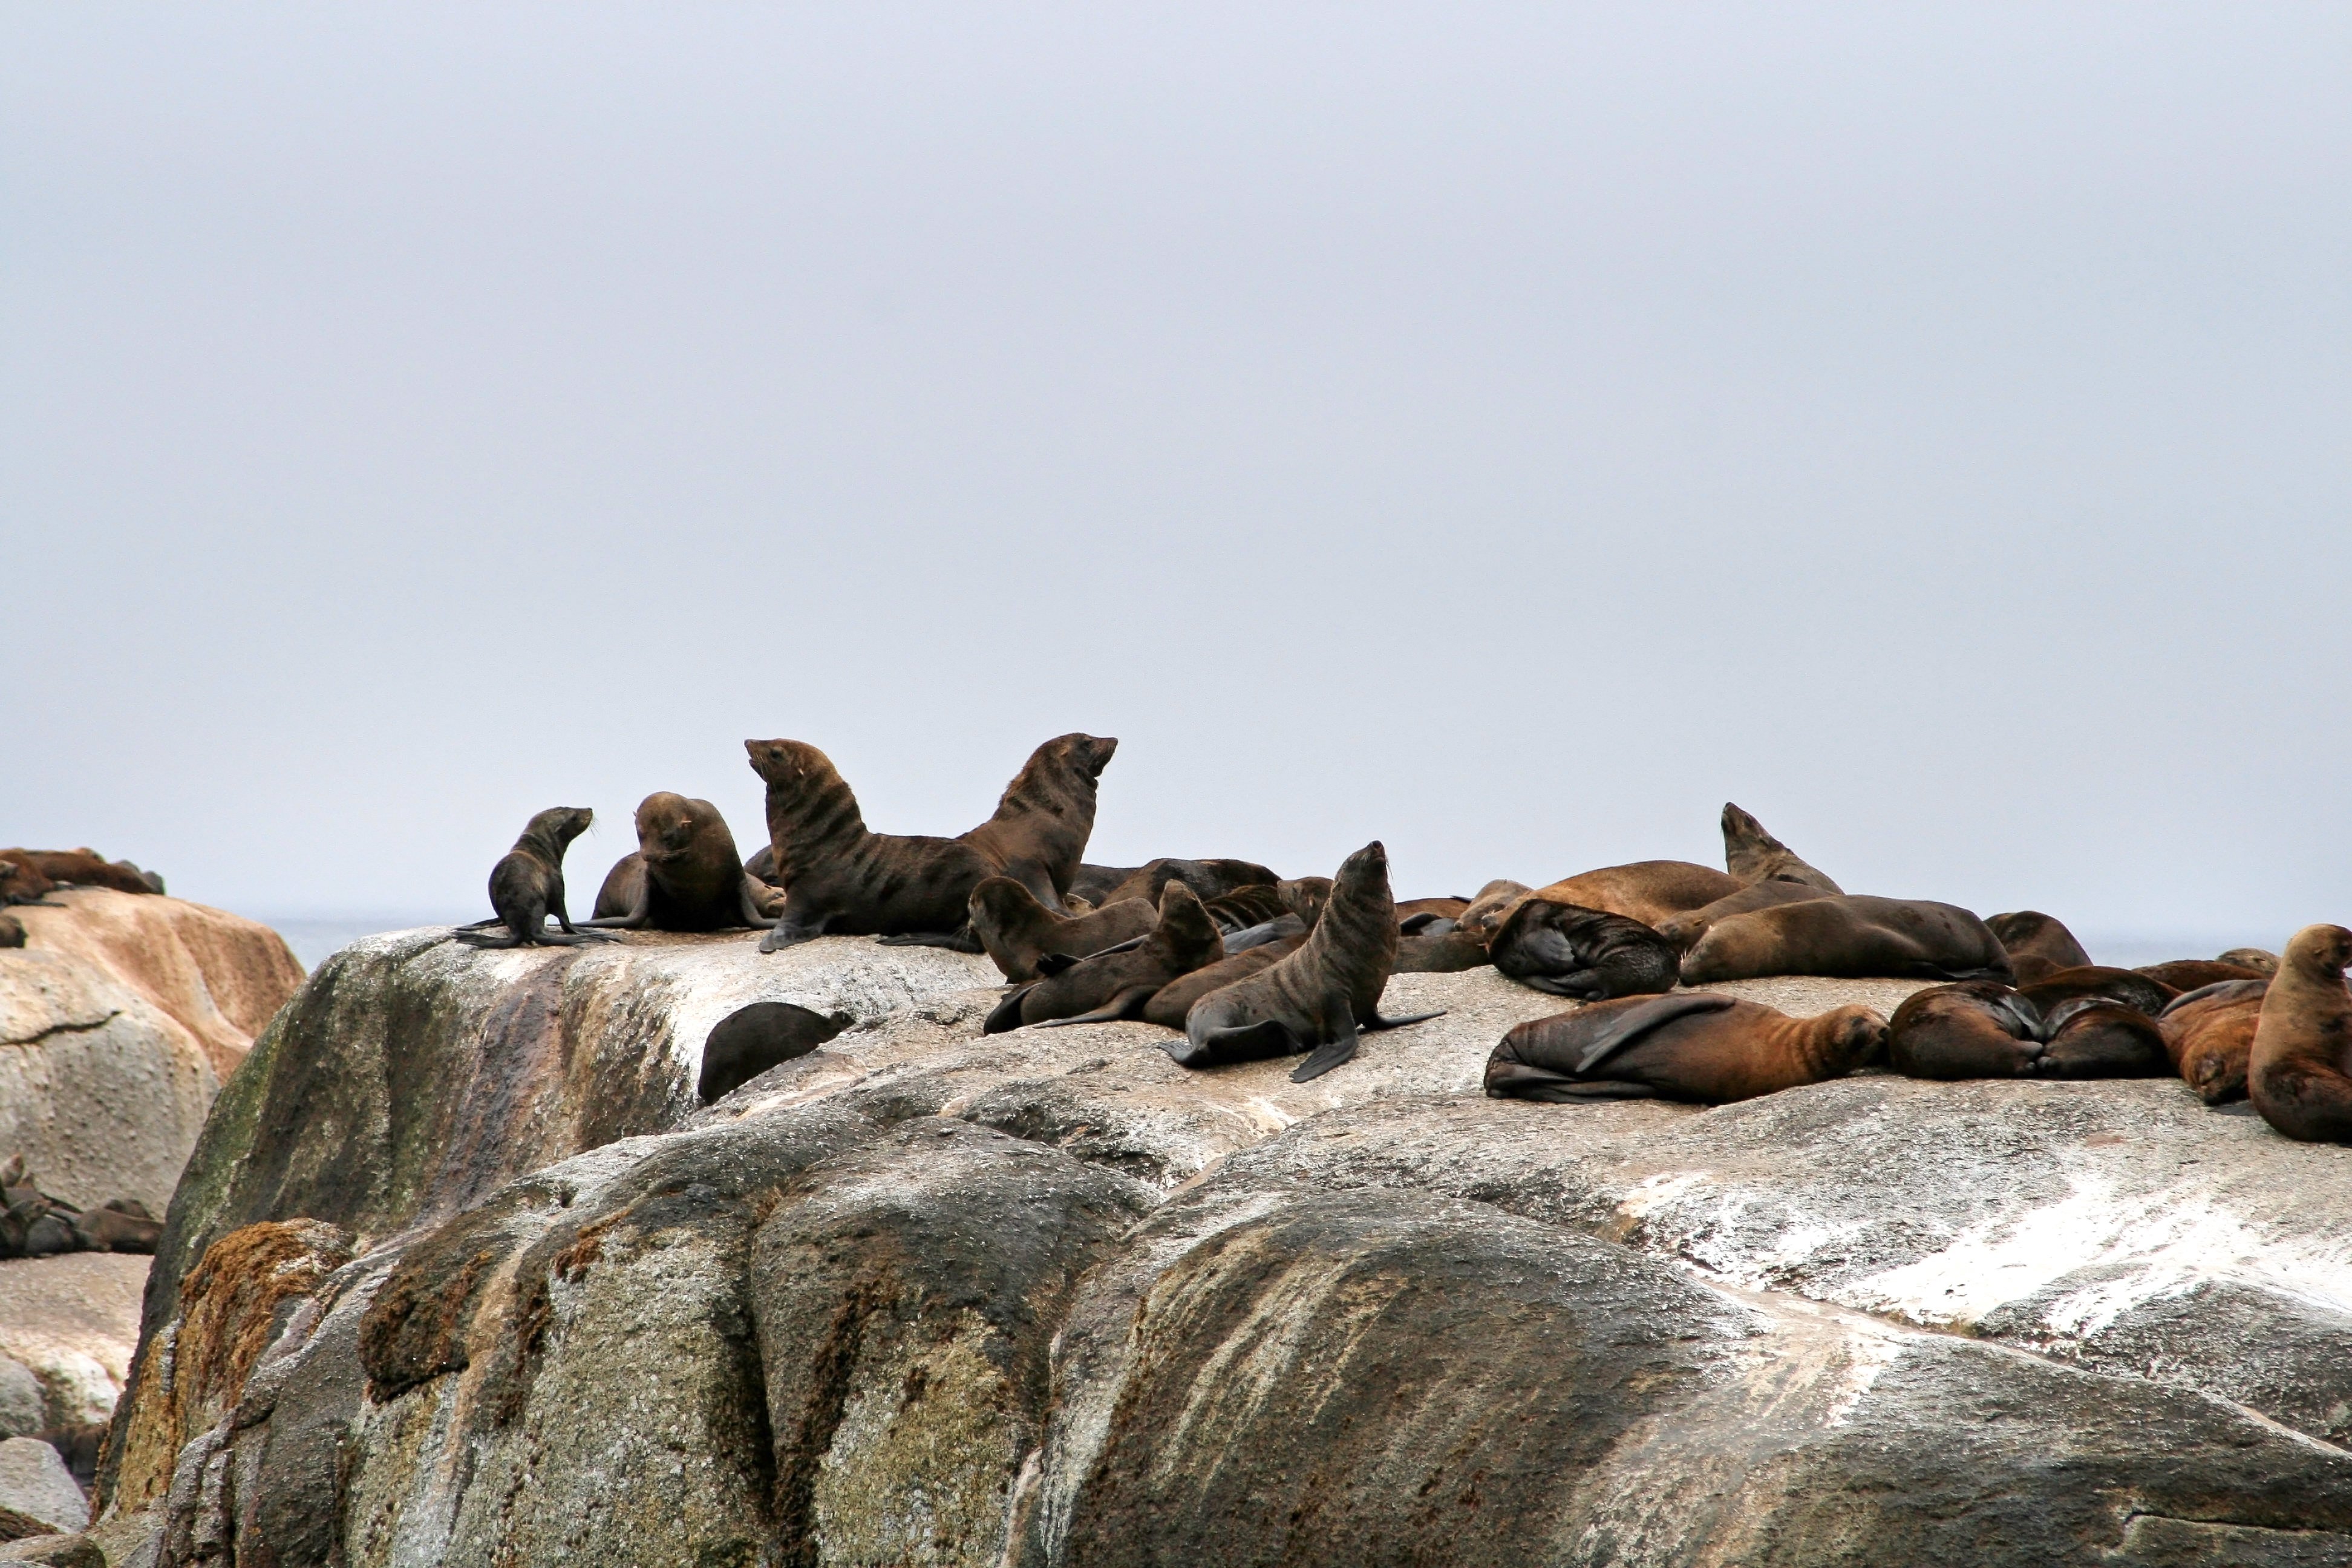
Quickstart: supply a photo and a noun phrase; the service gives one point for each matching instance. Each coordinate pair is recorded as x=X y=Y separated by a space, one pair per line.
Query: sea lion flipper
x=1377 y=1022
x=1006 y=1015
x=751 y=901
x=1052 y=963
x=1629 y=1026
x=1125 y=1005
x=1235 y=1043
x=639 y=912
x=1338 y=1051
x=1251 y=936
x=1413 y=925
x=953 y=941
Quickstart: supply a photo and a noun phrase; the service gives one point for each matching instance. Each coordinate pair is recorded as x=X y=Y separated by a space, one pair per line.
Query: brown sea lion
x=684 y=875
x=1016 y=931
x=1094 y=883
x=1441 y=948
x=12 y=931
x=1585 y=953
x=1682 y=932
x=1850 y=935
x=2260 y=960
x=21 y=883
x=1709 y=1049
x=1172 y=1001
x=2299 y=1074
x=1207 y=879
x=1754 y=856
x=1245 y=907
x=2038 y=945
x=1982 y=1028
x=750 y=1040
x=527 y=884
x=1646 y=890
x=85 y=869
x=1046 y=814
x=2126 y=987
x=1117 y=984
x=1493 y=902
x=2210 y=1034
x=1317 y=998
x=1444 y=908
x=2190 y=973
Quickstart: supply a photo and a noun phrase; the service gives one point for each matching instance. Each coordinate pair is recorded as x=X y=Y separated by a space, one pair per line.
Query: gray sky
x=1508 y=431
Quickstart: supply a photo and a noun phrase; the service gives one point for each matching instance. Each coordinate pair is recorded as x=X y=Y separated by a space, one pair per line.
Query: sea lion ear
x=1052 y=964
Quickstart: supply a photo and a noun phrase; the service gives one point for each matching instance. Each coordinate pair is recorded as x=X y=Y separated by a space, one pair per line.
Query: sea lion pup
x=2299 y=1074
x=2038 y=945
x=1493 y=902
x=2126 y=987
x=2210 y=1034
x=1710 y=1049
x=1682 y=932
x=1016 y=931
x=2193 y=973
x=1117 y=984
x=2260 y=960
x=1850 y=935
x=1754 y=856
x=1646 y=890
x=84 y=869
x=527 y=885
x=1046 y=814
x=1585 y=953
x=685 y=874
x=1317 y=998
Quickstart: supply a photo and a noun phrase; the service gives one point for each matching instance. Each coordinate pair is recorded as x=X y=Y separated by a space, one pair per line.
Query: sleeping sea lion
x=1850 y=935
x=2210 y=1034
x=2190 y=973
x=1682 y=932
x=1754 y=856
x=1117 y=984
x=1443 y=948
x=1981 y=1028
x=1493 y=902
x=2299 y=1074
x=1585 y=953
x=2261 y=960
x=527 y=884
x=1016 y=931
x=86 y=869
x=1207 y=879
x=1046 y=814
x=684 y=875
x=2127 y=987
x=2038 y=945
x=1317 y=998
x=1707 y=1048
x=1172 y=1001
x=21 y=883
x=1645 y=890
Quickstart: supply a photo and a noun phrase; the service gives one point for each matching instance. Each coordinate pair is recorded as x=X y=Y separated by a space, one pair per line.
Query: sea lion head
x=999 y=902
x=786 y=764
x=1305 y=896
x=1084 y=754
x=2321 y=951
x=1850 y=1037
x=1366 y=867
x=2260 y=960
x=560 y=825
x=1752 y=855
x=1186 y=928
x=667 y=826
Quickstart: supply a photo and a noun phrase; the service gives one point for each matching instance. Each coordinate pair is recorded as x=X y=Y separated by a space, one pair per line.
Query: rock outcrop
x=462 y=1272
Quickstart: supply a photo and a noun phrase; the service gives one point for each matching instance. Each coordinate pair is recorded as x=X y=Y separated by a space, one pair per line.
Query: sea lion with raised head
x=527 y=885
x=1318 y=999
x=1850 y=936
x=1046 y=814
x=86 y=867
x=1016 y=931
x=2299 y=1074
x=1709 y=1049
x=1982 y=1028
x=684 y=875
x=1117 y=984
x=2038 y=945
x=1588 y=954
x=1682 y=932
x=1753 y=855
x=2210 y=1034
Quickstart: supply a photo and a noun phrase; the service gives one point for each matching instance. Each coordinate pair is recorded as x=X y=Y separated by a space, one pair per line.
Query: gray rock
x=34 y=1481
x=24 y=1406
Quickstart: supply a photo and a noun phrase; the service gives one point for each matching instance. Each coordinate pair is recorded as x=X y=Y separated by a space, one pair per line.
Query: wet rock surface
x=923 y=1295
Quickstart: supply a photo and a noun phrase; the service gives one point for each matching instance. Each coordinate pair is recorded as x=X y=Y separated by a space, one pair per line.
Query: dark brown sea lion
x=1493 y=902
x=2300 y=1072
x=1646 y=890
x=750 y=1040
x=12 y=931
x=1094 y=883
x=2210 y=1034
x=1709 y=1049
x=1984 y=1029
x=1245 y=907
x=2190 y=973
x=2261 y=960
x=1585 y=953
x=527 y=884
x=1850 y=935
x=1754 y=856
x=85 y=869
x=1207 y=879
x=685 y=874
x=1117 y=984
x=1016 y=931
x=1317 y=998
x=2126 y=987
x=2038 y=945
x=1046 y=814
x=1172 y=1001
x=1682 y=932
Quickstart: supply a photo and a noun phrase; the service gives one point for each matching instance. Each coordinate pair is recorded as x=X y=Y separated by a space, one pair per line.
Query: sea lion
x=1850 y=935
x=1754 y=856
x=2299 y=1074
x=750 y=1040
x=1709 y=1049
x=12 y=931
x=2210 y=1034
x=1682 y=932
x=527 y=884
x=1094 y=883
x=1646 y=890
x=2126 y=987
x=1046 y=814
x=1493 y=902
x=1444 y=908
x=1441 y=948
x=1246 y=907
x=2038 y=945
x=2261 y=960
x=1982 y=1028
x=1585 y=953
x=22 y=883
x=1172 y=1001
x=683 y=876
x=1207 y=879
x=2190 y=973
x=1317 y=998
x=85 y=869
x=1016 y=931
x=1117 y=984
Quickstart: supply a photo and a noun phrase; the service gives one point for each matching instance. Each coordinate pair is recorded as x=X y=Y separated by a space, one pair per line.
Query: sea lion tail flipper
x=1377 y=1022
x=1125 y=1005
x=1338 y=1051
x=1052 y=963
x=1235 y=1043
x=959 y=940
x=751 y=901
x=1629 y=1026
x=1006 y=1015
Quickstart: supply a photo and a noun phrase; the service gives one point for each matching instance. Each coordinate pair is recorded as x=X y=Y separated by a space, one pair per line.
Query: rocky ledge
x=463 y=1270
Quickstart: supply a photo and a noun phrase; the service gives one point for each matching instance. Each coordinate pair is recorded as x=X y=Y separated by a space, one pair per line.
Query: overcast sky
x=1510 y=432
